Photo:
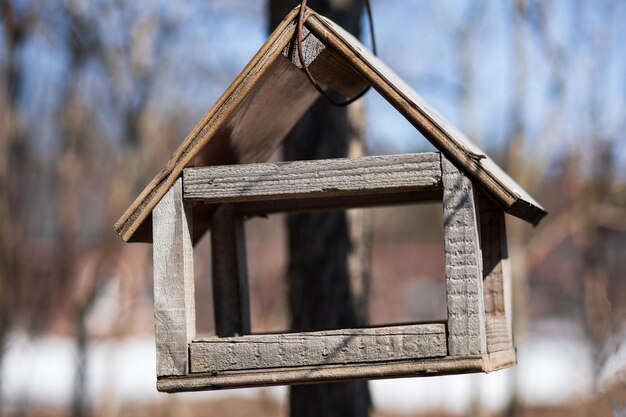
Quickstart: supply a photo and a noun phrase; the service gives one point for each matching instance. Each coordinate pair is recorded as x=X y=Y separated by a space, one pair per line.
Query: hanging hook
x=305 y=68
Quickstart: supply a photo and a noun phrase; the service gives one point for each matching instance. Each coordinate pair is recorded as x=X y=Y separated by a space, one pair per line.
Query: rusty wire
x=305 y=68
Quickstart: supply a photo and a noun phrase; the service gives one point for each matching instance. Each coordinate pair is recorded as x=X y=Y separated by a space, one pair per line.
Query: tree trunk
x=327 y=283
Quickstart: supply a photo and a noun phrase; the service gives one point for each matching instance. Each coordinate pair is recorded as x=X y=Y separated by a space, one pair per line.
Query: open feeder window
x=219 y=176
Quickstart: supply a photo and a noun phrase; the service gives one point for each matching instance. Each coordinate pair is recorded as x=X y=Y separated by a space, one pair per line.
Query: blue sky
x=208 y=43
x=416 y=39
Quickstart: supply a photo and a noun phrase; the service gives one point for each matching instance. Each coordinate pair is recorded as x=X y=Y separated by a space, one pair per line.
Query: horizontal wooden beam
x=449 y=365
x=368 y=345
x=341 y=177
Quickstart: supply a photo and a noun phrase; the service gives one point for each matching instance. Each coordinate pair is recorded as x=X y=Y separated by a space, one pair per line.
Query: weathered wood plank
x=333 y=373
x=230 y=274
x=314 y=179
x=174 y=306
x=250 y=119
x=466 y=317
x=272 y=88
x=496 y=275
x=318 y=348
x=441 y=133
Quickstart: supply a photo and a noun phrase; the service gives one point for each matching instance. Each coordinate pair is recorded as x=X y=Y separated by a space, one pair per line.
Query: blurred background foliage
x=96 y=94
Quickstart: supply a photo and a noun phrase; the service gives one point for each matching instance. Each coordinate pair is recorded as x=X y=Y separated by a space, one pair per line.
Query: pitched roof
x=270 y=95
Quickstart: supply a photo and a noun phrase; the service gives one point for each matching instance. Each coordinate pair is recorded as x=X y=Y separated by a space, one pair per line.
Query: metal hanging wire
x=305 y=68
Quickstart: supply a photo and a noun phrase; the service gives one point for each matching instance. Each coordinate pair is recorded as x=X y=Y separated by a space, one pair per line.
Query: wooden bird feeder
x=220 y=176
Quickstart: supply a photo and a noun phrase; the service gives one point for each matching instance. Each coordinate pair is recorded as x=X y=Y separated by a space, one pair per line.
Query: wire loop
x=305 y=68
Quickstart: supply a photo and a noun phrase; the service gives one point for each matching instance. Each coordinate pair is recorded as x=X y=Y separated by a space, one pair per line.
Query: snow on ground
x=552 y=367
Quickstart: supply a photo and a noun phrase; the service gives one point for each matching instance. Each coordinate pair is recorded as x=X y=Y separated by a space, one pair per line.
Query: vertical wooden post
x=174 y=305
x=496 y=275
x=466 y=320
x=230 y=274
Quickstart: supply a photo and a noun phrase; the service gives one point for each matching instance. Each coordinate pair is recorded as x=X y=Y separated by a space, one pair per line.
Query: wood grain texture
x=318 y=348
x=313 y=179
x=464 y=290
x=249 y=120
x=449 y=365
x=271 y=87
x=441 y=133
x=174 y=307
x=327 y=67
x=230 y=275
x=210 y=140
x=496 y=275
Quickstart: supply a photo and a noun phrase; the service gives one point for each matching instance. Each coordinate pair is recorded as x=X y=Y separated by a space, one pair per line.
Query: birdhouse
x=219 y=176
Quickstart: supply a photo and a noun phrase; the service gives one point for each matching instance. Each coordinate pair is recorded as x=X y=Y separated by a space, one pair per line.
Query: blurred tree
x=324 y=291
x=58 y=190
x=10 y=137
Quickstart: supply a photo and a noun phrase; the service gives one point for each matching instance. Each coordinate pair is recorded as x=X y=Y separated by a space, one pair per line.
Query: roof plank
x=250 y=119
x=326 y=178
x=441 y=133
x=272 y=87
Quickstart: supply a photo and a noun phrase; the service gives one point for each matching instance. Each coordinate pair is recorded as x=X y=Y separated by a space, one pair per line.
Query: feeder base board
x=448 y=365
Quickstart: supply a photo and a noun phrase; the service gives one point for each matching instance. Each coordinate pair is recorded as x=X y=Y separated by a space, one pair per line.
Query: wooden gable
x=270 y=95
